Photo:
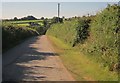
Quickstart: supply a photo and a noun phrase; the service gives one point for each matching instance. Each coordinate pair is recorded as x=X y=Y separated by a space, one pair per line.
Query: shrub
x=71 y=32
x=56 y=20
x=82 y=29
x=11 y=35
x=65 y=31
x=103 y=43
x=103 y=40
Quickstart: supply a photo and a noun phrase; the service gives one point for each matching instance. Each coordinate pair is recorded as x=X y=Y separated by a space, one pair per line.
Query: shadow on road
x=22 y=54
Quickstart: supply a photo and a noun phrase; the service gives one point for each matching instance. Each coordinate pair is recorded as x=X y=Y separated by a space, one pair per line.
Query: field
x=26 y=22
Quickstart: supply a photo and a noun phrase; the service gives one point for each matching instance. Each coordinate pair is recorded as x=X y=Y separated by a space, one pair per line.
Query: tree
x=61 y=20
x=42 y=18
x=56 y=20
x=29 y=18
x=15 y=18
x=63 y=17
x=45 y=23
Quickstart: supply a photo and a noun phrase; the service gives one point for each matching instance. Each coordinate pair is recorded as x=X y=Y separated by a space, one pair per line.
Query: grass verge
x=81 y=67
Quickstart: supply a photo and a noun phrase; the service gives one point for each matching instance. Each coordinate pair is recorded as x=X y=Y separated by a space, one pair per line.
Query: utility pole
x=58 y=11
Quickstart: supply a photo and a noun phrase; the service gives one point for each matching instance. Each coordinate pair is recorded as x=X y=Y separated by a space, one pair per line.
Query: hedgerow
x=103 y=41
x=12 y=35
x=97 y=36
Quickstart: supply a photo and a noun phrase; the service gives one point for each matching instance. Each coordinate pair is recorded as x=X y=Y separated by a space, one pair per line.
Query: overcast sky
x=49 y=9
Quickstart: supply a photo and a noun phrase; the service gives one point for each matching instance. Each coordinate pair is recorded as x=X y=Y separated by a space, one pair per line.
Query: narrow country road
x=34 y=60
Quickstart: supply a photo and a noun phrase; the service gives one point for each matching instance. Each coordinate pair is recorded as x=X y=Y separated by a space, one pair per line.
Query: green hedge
x=97 y=38
x=12 y=35
x=103 y=41
x=65 y=31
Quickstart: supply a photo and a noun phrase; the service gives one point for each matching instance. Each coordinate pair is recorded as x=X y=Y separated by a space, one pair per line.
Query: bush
x=104 y=30
x=71 y=32
x=103 y=40
x=65 y=31
x=11 y=35
x=56 y=20
x=40 y=29
x=82 y=29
